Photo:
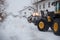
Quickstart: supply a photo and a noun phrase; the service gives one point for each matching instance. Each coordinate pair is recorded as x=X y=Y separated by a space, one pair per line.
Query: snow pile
x=16 y=28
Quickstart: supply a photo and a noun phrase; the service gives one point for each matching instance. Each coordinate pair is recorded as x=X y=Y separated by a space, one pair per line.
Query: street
x=16 y=28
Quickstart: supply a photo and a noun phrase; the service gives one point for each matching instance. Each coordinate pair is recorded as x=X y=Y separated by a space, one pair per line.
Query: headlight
x=36 y=14
x=33 y=14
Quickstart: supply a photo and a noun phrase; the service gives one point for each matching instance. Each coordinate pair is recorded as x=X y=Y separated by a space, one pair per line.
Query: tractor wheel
x=43 y=25
x=56 y=27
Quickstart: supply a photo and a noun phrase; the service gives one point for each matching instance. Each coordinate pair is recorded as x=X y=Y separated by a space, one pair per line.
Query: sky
x=16 y=5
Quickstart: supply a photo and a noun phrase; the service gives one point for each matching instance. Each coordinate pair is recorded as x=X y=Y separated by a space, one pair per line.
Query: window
x=57 y=6
x=48 y=4
x=40 y=6
x=44 y=5
x=29 y=9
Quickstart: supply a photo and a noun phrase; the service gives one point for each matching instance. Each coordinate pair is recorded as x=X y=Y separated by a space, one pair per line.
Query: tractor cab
x=57 y=7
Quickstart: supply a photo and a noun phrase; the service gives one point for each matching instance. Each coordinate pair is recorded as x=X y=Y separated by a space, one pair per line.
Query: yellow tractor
x=52 y=20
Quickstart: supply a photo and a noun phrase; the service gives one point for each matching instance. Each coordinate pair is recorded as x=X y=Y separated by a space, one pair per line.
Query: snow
x=16 y=28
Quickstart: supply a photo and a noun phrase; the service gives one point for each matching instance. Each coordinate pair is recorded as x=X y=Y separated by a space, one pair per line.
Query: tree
x=2 y=10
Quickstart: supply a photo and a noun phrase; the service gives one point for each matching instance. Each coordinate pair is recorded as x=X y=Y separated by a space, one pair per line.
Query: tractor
x=52 y=20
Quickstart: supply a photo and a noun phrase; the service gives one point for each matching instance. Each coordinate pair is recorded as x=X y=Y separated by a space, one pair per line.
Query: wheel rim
x=41 y=25
x=55 y=27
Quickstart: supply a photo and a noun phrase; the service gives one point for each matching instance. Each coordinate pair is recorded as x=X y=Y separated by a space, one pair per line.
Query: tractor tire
x=43 y=25
x=56 y=27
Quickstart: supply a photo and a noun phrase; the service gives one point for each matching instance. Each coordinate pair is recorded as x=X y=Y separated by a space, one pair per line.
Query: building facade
x=44 y=5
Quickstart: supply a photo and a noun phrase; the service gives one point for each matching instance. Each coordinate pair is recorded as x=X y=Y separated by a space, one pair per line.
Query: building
x=44 y=5
x=27 y=11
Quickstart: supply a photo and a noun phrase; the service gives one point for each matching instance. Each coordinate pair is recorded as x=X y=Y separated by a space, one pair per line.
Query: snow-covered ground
x=18 y=28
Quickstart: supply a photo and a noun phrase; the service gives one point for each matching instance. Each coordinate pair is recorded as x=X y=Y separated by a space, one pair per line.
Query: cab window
x=57 y=6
